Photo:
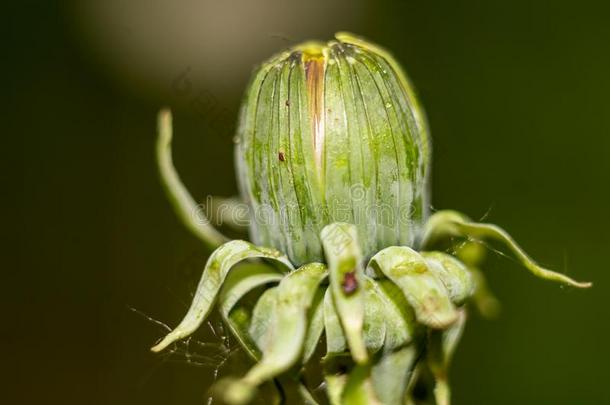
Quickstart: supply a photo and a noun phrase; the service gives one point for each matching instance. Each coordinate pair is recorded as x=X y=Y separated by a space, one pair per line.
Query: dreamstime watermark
x=358 y=208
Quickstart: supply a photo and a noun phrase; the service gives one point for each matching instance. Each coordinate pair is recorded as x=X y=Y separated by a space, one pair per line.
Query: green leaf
x=359 y=389
x=453 y=274
x=424 y=291
x=335 y=339
x=399 y=317
x=374 y=316
x=391 y=374
x=216 y=269
x=262 y=318
x=315 y=322
x=334 y=387
x=282 y=345
x=451 y=223
x=238 y=321
x=486 y=302
x=344 y=259
x=441 y=346
x=242 y=280
x=238 y=283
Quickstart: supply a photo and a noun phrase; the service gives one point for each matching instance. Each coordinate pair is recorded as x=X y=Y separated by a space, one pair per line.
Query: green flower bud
x=332 y=133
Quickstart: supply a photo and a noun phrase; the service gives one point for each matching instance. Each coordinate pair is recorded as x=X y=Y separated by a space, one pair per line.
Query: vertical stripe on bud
x=332 y=133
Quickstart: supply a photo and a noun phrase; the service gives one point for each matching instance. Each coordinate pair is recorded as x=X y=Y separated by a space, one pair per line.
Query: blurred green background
x=517 y=95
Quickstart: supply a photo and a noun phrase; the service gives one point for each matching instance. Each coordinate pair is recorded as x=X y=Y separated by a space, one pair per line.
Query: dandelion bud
x=332 y=133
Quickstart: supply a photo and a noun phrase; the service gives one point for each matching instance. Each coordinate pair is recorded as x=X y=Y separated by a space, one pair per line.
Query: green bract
x=332 y=160
x=332 y=133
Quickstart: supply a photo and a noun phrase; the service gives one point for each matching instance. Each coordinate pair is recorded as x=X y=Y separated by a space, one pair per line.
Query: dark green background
x=517 y=94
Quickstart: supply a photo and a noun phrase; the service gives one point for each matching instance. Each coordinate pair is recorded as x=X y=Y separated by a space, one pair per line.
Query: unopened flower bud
x=332 y=133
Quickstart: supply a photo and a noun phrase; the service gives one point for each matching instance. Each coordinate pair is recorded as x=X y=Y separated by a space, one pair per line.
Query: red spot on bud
x=281 y=156
x=350 y=284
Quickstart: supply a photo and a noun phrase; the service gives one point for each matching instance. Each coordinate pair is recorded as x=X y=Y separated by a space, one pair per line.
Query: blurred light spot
x=148 y=45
